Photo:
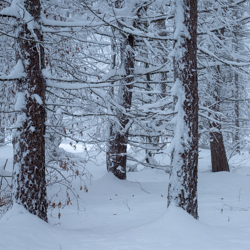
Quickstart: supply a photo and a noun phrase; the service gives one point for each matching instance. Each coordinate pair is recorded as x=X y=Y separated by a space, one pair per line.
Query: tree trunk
x=238 y=45
x=237 y=112
x=2 y=132
x=151 y=141
x=218 y=152
x=29 y=145
x=182 y=191
x=110 y=144
x=117 y=154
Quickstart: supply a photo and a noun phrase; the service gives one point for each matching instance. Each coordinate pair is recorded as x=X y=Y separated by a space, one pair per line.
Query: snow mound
x=19 y=229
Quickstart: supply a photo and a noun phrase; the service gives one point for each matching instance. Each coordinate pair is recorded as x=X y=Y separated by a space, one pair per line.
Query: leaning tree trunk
x=182 y=190
x=29 y=145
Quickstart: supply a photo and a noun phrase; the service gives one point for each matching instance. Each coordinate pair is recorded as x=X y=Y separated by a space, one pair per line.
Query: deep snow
x=132 y=214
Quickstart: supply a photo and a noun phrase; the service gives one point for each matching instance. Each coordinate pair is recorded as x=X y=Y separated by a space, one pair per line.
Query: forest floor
x=133 y=215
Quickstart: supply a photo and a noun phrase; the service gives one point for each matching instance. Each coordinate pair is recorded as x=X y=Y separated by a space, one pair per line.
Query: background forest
x=114 y=97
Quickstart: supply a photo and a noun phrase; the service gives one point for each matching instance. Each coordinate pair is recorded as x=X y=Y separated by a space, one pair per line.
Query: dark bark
x=182 y=191
x=117 y=150
x=117 y=147
x=29 y=144
x=218 y=152
x=237 y=113
x=150 y=141
x=2 y=133
x=161 y=26
x=217 y=147
x=110 y=144
x=2 y=124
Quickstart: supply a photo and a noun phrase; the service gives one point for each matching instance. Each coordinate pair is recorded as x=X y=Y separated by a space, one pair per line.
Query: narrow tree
x=182 y=191
x=29 y=145
x=117 y=155
x=217 y=147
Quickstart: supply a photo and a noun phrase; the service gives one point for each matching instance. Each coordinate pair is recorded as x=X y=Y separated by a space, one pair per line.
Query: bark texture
x=237 y=112
x=2 y=133
x=29 y=144
x=117 y=151
x=218 y=152
x=182 y=191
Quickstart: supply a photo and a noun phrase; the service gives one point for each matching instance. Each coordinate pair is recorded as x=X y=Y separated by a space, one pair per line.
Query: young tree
x=182 y=191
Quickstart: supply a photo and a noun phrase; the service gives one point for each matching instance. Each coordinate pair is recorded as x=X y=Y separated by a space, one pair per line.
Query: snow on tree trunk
x=237 y=112
x=110 y=143
x=117 y=155
x=29 y=146
x=182 y=191
x=118 y=132
x=2 y=131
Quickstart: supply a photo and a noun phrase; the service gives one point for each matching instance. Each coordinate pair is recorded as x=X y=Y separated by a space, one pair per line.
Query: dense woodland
x=148 y=74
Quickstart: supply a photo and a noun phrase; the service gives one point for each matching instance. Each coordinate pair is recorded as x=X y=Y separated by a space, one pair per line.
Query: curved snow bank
x=177 y=230
x=21 y=230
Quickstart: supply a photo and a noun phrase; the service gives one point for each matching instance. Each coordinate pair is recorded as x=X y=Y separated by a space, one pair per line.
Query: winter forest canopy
x=124 y=78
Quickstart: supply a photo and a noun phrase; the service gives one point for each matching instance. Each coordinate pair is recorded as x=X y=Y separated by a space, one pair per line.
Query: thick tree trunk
x=29 y=144
x=182 y=191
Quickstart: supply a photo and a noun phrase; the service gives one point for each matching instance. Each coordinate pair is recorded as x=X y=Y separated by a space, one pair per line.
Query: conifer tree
x=182 y=191
x=29 y=144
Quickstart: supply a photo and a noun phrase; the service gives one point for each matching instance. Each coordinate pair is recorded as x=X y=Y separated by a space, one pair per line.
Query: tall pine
x=182 y=191
x=29 y=144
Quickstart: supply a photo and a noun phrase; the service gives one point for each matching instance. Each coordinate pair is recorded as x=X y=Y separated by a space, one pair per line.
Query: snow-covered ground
x=133 y=214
